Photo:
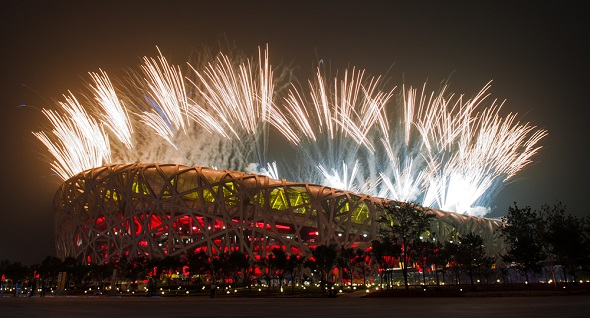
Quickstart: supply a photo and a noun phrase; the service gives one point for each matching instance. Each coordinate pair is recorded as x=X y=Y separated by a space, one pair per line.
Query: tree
x=136 y=268
x=522 y=230
x=171 y=264
x=345 y=260
x=199 y=264
x=139 y=267
x=294 y=267
x=264 y=266
x=384 y=252
x=405 y=223
x=239 y=262
x=586 y=237
x=324 y=259
x=162 y=267
x=16 y=271
x=123 y=266
x=449 y=252
x=566 y=237
x=471 y=255
x=100 y=273
x=277 y=262
x=49 y=269
x=361 y=262
x=421 y=253
x=75 y=271
x=436 y=257
x=221 y=267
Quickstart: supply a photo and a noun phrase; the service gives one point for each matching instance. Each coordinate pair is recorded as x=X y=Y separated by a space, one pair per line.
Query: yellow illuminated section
x=111 y=195
x=291 y=198
x=186 y=185
x=361 y=213
x=167 y=193
x=192 y=196
x=278 y=200
x=230 y=193
x=299 y=199
x=208 y=195
x=259 y=198
x=140 y=188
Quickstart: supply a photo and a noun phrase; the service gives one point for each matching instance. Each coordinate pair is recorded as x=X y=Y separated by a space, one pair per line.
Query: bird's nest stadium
x=159 y=210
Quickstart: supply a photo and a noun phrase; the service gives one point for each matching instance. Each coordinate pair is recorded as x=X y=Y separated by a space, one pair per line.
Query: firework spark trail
x=79 y=142
x=241 y=99
x=115 y=115
x=506 y=138
x=167 y=95
x=467 y=151
x=227 y=95
x=440 y=122
x=404 y=170
x=231 y=95
x=445 y=127
x=405 y=183
x=163 y=88
x=342 y=180
x=200 y=144
x=332 y=127
x=371 y=107
x=266 y=85
x=271 y=171
x=205 y=119
x=458 y=177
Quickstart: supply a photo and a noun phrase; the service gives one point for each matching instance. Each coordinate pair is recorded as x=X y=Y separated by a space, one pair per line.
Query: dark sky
x=537 y=57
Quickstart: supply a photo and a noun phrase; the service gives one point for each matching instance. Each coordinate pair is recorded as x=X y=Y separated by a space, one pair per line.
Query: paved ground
x=350 y=306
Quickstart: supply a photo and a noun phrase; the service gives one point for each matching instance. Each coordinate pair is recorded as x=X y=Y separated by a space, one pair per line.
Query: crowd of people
x=22 y=289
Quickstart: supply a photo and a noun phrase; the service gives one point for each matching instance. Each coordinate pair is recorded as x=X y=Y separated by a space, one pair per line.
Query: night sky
x=536 y=56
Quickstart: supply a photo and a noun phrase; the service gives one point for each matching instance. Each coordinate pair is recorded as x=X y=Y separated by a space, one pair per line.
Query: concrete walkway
x=354 y=294
x=342 y=307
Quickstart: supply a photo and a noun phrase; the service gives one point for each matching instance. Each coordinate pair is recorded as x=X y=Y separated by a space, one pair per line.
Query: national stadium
x=158 y=210
x=230 y=133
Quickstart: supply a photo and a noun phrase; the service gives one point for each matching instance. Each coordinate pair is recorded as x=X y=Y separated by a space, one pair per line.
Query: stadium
x=159 y=210
x=350 y=146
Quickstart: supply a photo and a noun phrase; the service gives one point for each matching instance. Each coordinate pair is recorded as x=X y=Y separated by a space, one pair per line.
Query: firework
x=77 y=141
x=115 y=115
x=333 y=123
x=348 y=131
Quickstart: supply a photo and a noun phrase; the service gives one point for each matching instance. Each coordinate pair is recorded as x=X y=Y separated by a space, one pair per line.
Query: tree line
x=406 y=253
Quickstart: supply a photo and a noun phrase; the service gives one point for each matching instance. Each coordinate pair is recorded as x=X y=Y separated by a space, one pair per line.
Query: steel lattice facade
x=157 y=210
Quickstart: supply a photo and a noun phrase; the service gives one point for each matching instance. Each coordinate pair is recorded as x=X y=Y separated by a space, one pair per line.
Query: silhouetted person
x=151 y=287
x=17 y=289
x=42 y=288
x=33 y=287
x=212 y=290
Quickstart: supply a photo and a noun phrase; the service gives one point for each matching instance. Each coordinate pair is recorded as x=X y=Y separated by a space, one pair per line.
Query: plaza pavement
x=351 y=305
